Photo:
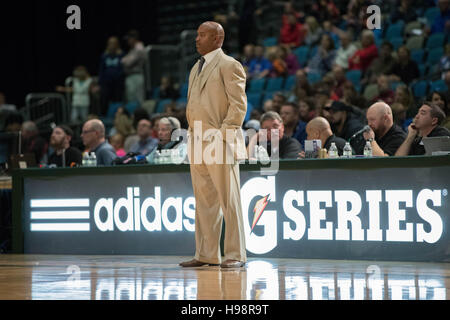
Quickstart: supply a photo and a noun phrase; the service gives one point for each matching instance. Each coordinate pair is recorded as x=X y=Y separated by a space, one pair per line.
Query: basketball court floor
x=61 y=277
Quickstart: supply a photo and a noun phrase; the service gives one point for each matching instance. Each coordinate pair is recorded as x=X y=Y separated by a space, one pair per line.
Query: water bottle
x=368 y=150
x=93 y=160
x=85 y=161
x=347 y=152
x=333 y=152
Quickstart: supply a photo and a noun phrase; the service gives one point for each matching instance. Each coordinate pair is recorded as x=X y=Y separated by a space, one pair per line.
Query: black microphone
x=366 y=128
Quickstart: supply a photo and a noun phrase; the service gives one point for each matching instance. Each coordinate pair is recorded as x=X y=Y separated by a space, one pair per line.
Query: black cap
x=339 y=106
x=66 y=129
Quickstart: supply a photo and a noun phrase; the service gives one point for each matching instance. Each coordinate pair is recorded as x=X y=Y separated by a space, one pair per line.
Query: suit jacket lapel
x=204 y=75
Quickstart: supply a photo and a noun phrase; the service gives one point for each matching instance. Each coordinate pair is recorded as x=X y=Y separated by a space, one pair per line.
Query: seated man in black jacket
x=319 y=129
x=60 y=141
x=384 y=136
x=271 y=136
x=425 y=124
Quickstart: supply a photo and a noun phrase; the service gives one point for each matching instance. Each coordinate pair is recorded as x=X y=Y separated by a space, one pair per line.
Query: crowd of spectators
x=337 y=76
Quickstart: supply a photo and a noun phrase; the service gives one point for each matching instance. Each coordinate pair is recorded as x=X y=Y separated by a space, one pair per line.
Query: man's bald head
x=319 y=123
x=210 y=36
x=379 y=118
x=318 y=128
x=96 y=125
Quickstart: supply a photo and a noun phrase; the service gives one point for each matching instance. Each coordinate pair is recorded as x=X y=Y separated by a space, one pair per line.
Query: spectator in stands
x=60 y=142
x=440 y=100
x=110 y=76
x=272 y=123
x=279 y=67
x=259 y=65
x=341 y=80
x=352 y=97
x=81 y=89
x=344 y=122
x=302 y=89
x=93 y=136
x=155 y=121
x=292 y=33
x=399 y=115
x=385 y=93
x=403 y=11
x=32 y=142
x=167 y=127
x=146 y=143
x=426 y=124
x=355 y=14
x=290 y=59
x=267 y=106
x=384 y=64
x=117 y=142
x=322 y=61
x=167 y=89
x=384 y=136
x=247 y=56
x=406 y=69
x=404 y=95
x=442 y=21
x=278 y=100
x=328 y=28
x=313 y=31
x=293 y=126
x=122 y=123
x=319 y=129
x=133 y=64
x=325 y=10
x=306 y=110
x=363 y=57
x=345 y=51
x=444 y=63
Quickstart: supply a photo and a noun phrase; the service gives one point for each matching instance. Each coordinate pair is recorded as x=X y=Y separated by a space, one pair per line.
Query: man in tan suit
x=215 y=112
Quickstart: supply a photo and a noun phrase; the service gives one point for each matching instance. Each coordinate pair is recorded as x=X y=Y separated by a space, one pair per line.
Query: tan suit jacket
x=216 y=97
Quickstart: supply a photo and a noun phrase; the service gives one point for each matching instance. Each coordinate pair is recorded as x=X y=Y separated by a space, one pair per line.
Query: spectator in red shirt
x=292 y=32
x=363 y=57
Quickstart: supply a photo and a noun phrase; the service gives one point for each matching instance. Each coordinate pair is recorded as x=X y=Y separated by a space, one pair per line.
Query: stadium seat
x=161 y=106
x=257 y=85
x=354 y=76
x=434 y=55
x=435 y=40
x=422 y=69
x=431 y=14
x=250 y=108
x=438 y=85
x=420 y=89
x=417 y=55
x=289 y=83
x=254 y=99
x=313 y=77
x=274 y=84
x=302 y=55
x=396 y=42
x=270 y=42
x=184 y=90
x=112 y=109
x=312 y=52
x=395 y=84
x=415 y=42
x=132 y=106
x=155 y=94
x=394 y=31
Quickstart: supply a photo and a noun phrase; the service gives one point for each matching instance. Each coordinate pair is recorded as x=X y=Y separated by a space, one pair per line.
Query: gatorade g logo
x=260 y=225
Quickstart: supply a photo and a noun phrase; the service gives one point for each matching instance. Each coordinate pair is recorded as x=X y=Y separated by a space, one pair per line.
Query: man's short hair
x=66 y=129
x=291 y=104
x=271 y=115
x=435 y=112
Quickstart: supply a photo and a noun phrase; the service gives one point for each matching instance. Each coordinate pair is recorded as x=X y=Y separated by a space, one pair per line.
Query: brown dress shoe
x=194 y=263
x=232 y=264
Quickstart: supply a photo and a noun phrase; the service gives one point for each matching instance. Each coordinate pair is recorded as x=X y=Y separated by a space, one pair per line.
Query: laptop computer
x=436 y=145
x=22 y=161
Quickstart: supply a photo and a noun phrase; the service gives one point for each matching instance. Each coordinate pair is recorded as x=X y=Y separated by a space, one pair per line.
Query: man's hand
x=301 y=155
x=412 y=131
x=369 y=134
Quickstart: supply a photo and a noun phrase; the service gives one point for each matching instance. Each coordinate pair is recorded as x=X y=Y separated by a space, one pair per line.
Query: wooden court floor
x=57 y=277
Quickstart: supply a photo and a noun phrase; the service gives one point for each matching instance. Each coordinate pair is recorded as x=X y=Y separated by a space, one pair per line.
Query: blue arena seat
x=417 y=55
x=431 y=14
x=435 y=40
x=354 y=76
x=257 y=85
x=394 y=31
x=438 y=85
x=254 y=98
x=289 y=83
x=274 y=84
x=434 y=55
x=184 y=89
x=396 y=42
x=302 y=54
x=161 y=106
x=420 y=88
x=270 y=42
x=313 y=77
